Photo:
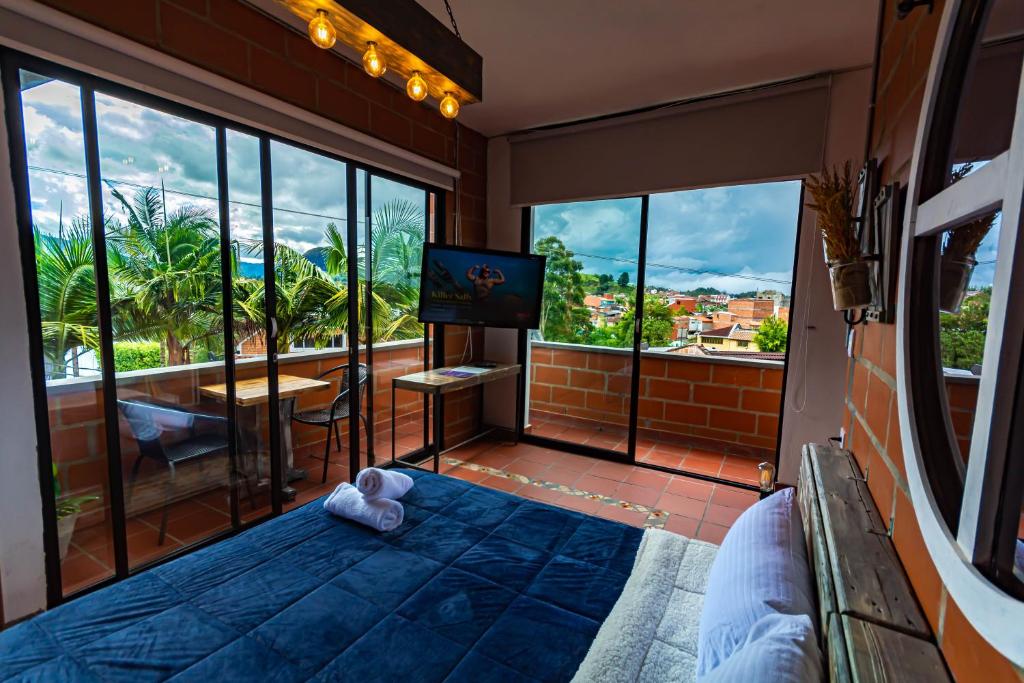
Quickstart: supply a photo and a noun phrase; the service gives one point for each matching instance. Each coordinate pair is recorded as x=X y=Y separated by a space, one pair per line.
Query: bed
x=476 y=585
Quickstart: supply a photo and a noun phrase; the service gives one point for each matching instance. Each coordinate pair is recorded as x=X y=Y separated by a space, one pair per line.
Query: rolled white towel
x=377 y=483
x=379 y=513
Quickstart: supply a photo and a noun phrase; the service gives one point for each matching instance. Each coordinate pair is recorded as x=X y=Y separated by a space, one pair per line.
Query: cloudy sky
x=144 y=147
x=733 y=238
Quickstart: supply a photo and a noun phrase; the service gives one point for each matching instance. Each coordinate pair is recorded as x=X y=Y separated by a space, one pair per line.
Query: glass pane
x=716 y=311
x=966 y=271
x=159 y=175
x=311 y=271
x=581 y=358
x=66 y=281
x=989 y=98
x=246 y=230
x=398 y=229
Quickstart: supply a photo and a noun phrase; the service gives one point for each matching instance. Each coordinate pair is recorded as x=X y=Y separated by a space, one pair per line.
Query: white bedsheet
x=651 y=633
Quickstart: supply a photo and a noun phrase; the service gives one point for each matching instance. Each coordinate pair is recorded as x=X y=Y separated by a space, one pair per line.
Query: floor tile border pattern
x=655 y=518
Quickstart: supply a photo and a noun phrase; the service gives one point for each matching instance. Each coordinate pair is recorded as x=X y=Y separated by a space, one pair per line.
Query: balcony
x=199 y=500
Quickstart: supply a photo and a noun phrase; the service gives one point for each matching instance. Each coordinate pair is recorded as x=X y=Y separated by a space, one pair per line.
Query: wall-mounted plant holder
x=884 y=243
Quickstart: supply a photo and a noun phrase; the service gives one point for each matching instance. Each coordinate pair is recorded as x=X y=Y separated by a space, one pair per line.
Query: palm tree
x=165 y=275
x=67 y=296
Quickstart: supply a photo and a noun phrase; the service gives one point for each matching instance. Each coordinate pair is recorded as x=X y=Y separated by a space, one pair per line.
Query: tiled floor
x=634 y=495
x=625 y=493
x=728 y=461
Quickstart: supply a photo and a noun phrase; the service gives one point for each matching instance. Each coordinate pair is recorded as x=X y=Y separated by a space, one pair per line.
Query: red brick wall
x=731 y=403
x=233 y=40
x=871 y=416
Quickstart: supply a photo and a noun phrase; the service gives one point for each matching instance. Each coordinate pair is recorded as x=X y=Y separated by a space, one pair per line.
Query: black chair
x=339 y=410
x=149 y=421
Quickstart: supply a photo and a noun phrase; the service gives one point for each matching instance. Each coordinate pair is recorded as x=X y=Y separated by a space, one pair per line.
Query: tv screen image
x=464 y=286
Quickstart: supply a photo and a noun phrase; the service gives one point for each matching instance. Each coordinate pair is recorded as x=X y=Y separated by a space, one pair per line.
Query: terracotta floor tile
x=720 y=514
x=679 y=505
x=580 y=463
x=652 y=479
x=502 y=484
x=641 y=495
x=544 y=495
x=732 y=497
x=664 y=459
x=580 y=504
x=610 y=470
x=712 y=533
x=468 y=474
x=685 y=526
x=562 y=475
x=690 y=488
x=592 y=484
x=614 y=512
x=528 y=468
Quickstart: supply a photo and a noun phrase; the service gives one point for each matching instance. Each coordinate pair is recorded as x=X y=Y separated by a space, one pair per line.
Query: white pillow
x=761 y=569
x=780 y=648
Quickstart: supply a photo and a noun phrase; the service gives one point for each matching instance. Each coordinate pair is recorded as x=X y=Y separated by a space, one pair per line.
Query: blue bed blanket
x=476 y=585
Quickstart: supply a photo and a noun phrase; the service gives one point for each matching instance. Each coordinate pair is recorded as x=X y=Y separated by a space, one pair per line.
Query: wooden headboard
x=871 y=626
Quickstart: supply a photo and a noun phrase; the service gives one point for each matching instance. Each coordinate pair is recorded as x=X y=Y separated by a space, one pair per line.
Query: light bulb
x=449 y=106
x=321 y=30
x=416 y=88
x=373 y=61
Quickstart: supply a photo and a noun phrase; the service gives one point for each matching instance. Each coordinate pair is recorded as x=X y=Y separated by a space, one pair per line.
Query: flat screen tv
x=464 y=286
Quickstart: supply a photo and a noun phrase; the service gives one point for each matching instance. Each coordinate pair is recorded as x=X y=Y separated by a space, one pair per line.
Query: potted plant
x=834 y=196
x=959 y=246
x=68 y=510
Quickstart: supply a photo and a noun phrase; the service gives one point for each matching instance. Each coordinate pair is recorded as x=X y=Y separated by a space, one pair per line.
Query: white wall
x=22 y=573
x=503 y=232
x=816 y=379
x=817 y=365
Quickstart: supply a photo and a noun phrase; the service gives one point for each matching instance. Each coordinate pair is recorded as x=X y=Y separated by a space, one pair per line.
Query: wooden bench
x=872 y=628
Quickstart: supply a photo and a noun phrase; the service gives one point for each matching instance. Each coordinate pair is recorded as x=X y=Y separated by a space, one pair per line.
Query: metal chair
x=149 y=421
x=339 y=410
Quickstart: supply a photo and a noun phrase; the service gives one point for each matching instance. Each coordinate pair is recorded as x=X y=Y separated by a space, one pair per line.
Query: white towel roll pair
x=371 y=500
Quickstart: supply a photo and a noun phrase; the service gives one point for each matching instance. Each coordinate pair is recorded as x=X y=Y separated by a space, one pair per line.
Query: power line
x=696 y=271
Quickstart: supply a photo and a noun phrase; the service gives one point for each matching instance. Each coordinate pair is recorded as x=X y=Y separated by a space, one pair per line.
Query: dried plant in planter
x=834 y=195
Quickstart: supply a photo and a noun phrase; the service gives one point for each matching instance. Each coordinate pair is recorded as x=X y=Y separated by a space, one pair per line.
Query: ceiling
x=551 y=61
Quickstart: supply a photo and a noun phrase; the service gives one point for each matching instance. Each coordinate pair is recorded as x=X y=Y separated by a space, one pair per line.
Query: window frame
x=960 y=528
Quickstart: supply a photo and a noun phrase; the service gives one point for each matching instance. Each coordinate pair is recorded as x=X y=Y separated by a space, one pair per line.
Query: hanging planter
x=851 y=288
x=833 y=193
x=957 y=262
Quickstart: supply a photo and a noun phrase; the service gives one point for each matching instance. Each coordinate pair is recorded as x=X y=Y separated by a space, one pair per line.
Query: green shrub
x=137 y=356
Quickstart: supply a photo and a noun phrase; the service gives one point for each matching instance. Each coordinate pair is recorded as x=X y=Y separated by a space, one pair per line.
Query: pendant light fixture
x=449 y=106
x=403 y=37
x=321 y=30
x=416 y=88
x=373 y=61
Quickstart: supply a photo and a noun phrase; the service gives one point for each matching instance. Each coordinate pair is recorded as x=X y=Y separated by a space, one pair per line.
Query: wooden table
x=250 y=394
x=443 y=381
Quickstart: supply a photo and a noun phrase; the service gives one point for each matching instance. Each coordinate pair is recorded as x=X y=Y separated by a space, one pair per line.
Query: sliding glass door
x=581 y=359
x=665 y=327
x=207 y=305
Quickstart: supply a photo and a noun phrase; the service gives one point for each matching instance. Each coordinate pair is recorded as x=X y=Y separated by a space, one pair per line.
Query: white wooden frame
x=997 y=616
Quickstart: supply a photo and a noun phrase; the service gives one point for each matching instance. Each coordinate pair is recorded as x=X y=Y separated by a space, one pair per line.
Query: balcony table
x=250 y=395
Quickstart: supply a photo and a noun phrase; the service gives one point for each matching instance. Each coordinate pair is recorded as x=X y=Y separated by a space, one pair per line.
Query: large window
x=192 y=294
x=697 y=287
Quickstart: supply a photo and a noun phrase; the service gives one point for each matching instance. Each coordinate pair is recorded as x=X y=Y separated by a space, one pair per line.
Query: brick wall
x=871 y=417
x=729 y=403
x=233 y=40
